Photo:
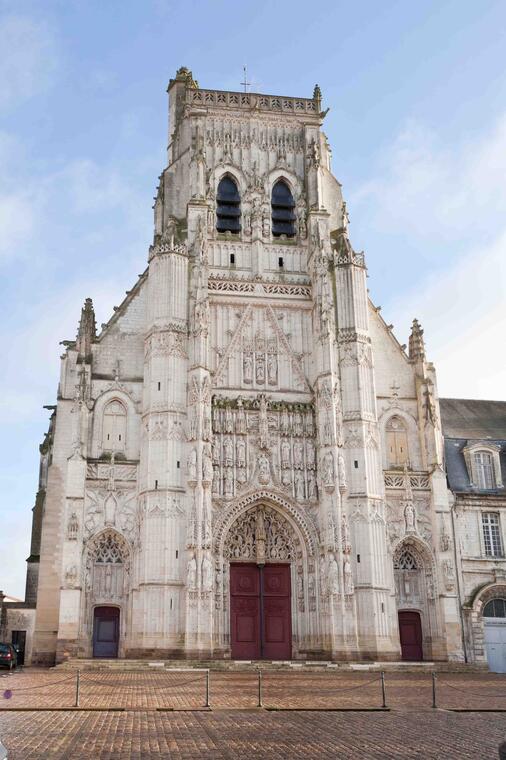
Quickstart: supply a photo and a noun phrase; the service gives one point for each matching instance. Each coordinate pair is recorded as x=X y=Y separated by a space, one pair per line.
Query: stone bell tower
x=261 y=302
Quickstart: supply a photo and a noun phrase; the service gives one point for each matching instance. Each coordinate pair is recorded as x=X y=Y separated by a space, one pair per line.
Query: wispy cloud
x=449 y=202
x=436 y=192
x=28 y=58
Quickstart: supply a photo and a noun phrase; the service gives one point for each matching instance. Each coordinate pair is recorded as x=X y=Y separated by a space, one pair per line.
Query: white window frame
x=489 y=520
x=483 y=447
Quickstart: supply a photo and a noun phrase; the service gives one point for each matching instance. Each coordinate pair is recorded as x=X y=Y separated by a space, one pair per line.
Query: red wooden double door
x=260 y=617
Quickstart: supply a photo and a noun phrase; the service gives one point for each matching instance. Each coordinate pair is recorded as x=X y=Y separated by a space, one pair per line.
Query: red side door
x=277 y=638
x=410 y=632
x=245 y=612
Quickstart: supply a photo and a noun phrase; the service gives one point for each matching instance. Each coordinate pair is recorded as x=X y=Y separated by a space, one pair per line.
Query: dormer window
x=228 y=207
x=283 y=216
x=483 y=465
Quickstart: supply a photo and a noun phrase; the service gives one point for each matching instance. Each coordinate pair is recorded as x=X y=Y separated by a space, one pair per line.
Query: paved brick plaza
x=141 y=729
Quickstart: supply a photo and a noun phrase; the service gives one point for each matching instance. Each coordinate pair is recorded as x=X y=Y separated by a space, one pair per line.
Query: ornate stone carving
x=73 y=527
x=271 y=532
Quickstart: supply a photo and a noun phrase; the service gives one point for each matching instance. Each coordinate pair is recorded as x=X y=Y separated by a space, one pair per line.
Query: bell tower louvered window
x=283 y=216
x=228 y=208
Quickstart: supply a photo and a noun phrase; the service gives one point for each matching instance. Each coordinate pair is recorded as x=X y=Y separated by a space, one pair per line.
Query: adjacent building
x=475 y=445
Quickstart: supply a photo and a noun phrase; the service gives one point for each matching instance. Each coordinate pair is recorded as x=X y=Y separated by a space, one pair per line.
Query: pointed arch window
x=114 y=427
x=283 y=216
x=397 y=442
x=228 y=206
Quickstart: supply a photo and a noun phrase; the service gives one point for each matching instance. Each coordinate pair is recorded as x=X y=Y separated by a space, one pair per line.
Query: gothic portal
x=244 y=462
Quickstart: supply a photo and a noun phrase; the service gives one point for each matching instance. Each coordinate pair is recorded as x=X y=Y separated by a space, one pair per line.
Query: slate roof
x=466 y=421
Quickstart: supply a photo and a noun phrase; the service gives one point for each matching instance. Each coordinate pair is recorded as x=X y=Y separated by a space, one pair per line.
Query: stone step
x=254 y=665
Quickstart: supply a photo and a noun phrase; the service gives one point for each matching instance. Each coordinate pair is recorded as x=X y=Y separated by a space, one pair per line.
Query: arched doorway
x=260 y=549
x=494 y=626
x=105 y=631
x=415 y=596
x=410 y=634
x=105 y=602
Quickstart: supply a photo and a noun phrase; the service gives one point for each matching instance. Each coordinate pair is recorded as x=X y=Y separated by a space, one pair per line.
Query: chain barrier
x=130 y=684
x=125 y=687
x=472 y=693
x=42 y=686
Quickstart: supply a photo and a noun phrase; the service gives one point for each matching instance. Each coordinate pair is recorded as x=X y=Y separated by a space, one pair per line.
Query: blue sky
x=417 y=123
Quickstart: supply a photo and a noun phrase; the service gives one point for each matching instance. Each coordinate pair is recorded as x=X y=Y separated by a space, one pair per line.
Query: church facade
x=244 y=462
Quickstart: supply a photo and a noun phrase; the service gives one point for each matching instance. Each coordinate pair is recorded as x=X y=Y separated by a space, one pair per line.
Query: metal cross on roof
x=245 y=84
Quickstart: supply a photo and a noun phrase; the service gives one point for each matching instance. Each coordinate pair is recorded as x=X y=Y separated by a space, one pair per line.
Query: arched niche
x=132 y=424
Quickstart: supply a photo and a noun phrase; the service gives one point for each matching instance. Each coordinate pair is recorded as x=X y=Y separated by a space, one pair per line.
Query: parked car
x=8 y=656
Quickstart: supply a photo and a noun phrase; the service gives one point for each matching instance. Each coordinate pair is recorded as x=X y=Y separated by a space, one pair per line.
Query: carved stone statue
x=264 y=474
x=410 y=518
x=229 y=420
x=263 y=423
x=73 y=527
x=272 y=369
x=284 y=424
x=285 y=454
x=207 y=573
x=298 y=428
x=311 y=485
x=328 y=470
x=345 y=535
x=310 y=455
x=240 y=418
x=348 y=577
x=241 y=453
x=260 y=369
x=207 y=465
x=299 y=485
x=247 y=368
x=228 y=451
x=297 y=455
x=333 y=575
x=192 y=465
x=191 y=575
x=260 y=536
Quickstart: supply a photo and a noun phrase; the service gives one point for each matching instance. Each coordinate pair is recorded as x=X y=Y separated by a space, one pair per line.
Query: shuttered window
x=283 y=216
x=228 y=206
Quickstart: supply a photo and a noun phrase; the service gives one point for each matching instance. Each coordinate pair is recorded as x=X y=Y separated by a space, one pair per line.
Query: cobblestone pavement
x=411 y=730
x=146 y=735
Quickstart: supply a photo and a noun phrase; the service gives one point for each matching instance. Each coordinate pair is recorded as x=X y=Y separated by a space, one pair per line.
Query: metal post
x=383 y=692
x=434 y=690
x=260 y=703
x=78 y=687
x=207 y=689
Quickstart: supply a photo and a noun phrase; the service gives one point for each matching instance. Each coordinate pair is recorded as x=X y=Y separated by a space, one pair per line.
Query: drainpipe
x=457 y=575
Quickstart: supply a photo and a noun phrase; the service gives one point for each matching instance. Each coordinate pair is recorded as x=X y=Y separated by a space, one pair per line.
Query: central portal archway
x=260 y=548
